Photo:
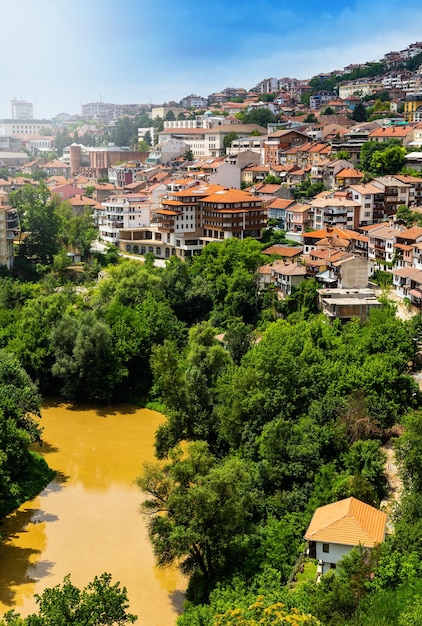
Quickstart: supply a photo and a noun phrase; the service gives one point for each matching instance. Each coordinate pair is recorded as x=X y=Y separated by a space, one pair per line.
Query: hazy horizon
x=137 y=52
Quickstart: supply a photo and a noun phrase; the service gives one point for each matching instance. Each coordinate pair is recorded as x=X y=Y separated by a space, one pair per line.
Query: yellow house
x=413 y=108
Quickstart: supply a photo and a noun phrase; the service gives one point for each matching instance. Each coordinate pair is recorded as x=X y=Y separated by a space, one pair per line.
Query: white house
x=119 y=212
x=336 y=528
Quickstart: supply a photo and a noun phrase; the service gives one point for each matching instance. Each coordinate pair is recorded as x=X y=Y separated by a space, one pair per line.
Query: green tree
x=22 y=474
x=84 y=358
x=405 y=215
x=100 y=603
x=262 y=117
x=388 y=161
x=41 y=221
x=343 y=154
x=227 y=141
x=188 y=155
x=199 y=511
x=359 y=113
x=143 y=146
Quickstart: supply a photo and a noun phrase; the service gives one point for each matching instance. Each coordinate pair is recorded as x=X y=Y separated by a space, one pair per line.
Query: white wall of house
x=335 y=552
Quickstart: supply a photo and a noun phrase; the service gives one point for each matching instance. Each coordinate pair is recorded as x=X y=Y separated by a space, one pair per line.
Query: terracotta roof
x=341 y=233
x=349 y=172
x=280 y=203
x=409 y=272
x=167 y=212
x=365 y=188
x=411 y=233
x=384 y=232
x=371 y=227
x=289 y=269
x=348 y=522
x=231 y=195
x=197 y=190
x=256 y=168
x=287 y=251
x=265 y=269
x=390 y=131
x=82 y=201
x=333 y=202
x=402 y=246
x=299 y=208
x=57 y=164
x=267 y=188
x=166 y=202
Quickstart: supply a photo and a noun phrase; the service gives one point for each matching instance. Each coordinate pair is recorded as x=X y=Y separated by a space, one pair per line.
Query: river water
x=87 y=520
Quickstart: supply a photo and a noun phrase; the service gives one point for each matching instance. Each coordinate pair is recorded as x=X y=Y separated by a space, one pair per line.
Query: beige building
x=8 y=232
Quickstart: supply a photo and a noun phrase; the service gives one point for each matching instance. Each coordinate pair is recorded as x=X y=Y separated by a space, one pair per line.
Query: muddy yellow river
x=87 y=520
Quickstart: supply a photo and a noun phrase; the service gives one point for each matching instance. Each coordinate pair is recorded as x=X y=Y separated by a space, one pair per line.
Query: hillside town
x=211 y=355
x=333 y=172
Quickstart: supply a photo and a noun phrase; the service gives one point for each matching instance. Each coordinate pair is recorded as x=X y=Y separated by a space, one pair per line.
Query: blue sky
x=59 y=54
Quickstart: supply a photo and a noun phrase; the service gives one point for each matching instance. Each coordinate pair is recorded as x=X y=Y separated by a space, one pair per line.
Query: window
x=326 y=547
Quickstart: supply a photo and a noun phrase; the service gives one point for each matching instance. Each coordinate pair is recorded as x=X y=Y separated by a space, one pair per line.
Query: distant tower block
x=75 y=153
x=22 y=110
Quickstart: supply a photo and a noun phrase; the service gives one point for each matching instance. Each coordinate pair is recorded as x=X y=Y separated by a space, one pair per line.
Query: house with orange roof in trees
x=338 y=527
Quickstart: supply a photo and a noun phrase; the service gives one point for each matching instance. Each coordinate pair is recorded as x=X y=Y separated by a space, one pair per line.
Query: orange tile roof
x=402 y=246
x=166 y=202
x=349 y=172
x=336 y=232
x=390 y=131
x=167 y=212
x=410 y=233
x=197 y=190
x=348 y=522
x=280 y=203
x=287 y=251
x=231 y=196
x=289 y=269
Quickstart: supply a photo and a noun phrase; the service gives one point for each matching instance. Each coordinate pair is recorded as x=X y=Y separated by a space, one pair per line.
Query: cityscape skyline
x=135 y=52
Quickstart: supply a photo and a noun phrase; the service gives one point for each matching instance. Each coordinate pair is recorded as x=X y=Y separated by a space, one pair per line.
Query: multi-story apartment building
x=371 y=202
x=320 y=99
x=280 y=141
x=8 y=232
x=119 y=212
x=193 y=101
x=335 y=211
x=395 y=193
x=23 y=127
x=413 y=107
x=381 y=240
x=298 y=218
x=408 y=248
x=231 y=213
x=190 y=218
x=22 y=110
x=124 y=174
x=268 y=85
x=359 y=87
x=209 y=142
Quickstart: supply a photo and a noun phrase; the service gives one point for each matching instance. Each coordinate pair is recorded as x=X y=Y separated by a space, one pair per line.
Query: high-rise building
x=22 y=110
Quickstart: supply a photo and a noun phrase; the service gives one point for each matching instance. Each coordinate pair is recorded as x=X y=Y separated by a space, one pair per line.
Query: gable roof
x=348 y=522
x=281 y=250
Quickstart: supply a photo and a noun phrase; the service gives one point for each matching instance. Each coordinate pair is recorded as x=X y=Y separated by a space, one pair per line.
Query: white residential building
x=118 y=212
